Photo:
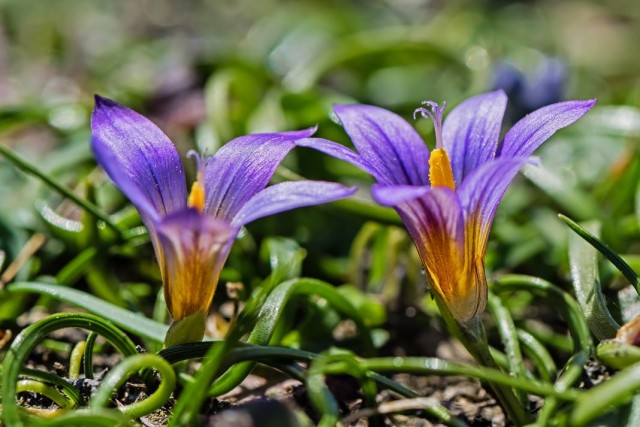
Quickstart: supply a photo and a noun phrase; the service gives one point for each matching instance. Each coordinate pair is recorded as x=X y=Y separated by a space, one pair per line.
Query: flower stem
x=472 y=335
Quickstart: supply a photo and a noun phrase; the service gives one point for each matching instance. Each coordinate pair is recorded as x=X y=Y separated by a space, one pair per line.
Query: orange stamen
x=440 y=172
x=196 y=197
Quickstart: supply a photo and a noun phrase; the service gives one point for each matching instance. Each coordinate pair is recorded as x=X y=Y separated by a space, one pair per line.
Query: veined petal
x=470 y=132
x=454 y=269
x=289 y=195
x=435 y=216
x=531 y=131
x=243 y=167
x=338 y=151
x=394 y=195
x=390 y=146
x=139 y=158
x=193 y=249
x=480 y=195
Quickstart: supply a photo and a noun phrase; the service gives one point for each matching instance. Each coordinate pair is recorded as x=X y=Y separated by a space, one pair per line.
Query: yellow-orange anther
x=196 y=197
x=440 y=173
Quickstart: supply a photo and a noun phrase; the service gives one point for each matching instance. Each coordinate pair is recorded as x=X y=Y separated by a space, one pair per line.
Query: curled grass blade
x=129 y=366
x=25 y=342
x=270 y=313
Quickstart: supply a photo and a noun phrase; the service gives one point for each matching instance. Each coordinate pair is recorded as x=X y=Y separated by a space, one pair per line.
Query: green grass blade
x=605 y=250
x=127 y=320
x=586 y=284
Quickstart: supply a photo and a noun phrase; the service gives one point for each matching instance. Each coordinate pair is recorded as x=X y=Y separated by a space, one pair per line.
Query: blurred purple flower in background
x=526 y=92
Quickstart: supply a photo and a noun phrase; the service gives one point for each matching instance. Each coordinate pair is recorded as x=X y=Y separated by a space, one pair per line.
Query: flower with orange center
x=192 y=234
x=447 y=198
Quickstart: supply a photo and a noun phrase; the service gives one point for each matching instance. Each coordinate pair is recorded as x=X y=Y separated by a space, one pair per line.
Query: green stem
x=473 y=337
x=193 y=395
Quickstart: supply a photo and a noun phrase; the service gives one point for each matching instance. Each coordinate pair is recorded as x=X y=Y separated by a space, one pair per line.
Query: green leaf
x=127 y=320
x=605 y=250
x=586 y=284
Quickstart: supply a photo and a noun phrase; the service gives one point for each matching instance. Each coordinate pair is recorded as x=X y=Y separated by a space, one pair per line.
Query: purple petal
x=193 y=248
x=439 y=209
x=336 y=150
x=289 y=195
x=481 y=192
x=243 y=167
x=531 y=131
x=390 y=146
x=393 y=195
x=139 y=158
x=471 y=131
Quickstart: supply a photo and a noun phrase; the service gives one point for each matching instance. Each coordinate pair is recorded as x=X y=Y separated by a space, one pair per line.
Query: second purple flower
x=447 y=198
x=192 y=232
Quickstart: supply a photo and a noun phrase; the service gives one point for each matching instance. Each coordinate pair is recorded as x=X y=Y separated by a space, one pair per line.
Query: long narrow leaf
x=586 y=284
x=127 y=320
x=605 y=250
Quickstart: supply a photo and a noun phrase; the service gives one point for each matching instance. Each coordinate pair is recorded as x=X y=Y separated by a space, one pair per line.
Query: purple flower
x=192 y=232
x=447 y=198
x=529 y=92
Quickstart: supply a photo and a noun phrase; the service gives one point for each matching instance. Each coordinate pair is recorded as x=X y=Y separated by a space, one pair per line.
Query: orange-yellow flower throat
x=440 y=172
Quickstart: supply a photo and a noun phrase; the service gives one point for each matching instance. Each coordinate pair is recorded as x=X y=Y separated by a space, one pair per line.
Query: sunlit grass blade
x=586 y=284
x=605 y=250
x=127 y=320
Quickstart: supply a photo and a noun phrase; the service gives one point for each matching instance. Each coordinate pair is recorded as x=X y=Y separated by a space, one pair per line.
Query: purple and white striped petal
x=243 y=167
x=289 y=195
x=192 y=251
x=470 y=132
x=139 y=158
x=534 y=129
x=390 y=146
